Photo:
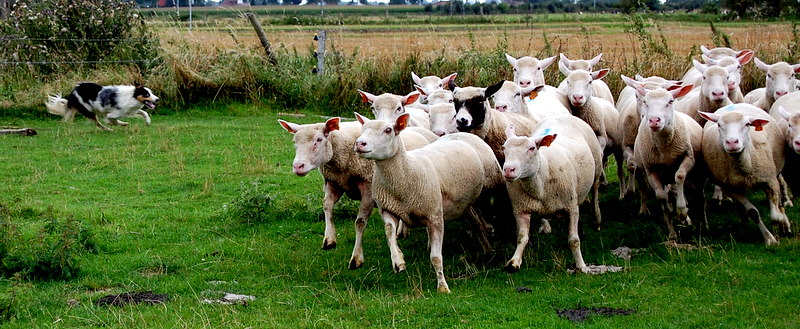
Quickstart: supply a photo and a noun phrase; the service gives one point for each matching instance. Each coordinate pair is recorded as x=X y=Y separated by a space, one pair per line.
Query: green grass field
x=156 y=198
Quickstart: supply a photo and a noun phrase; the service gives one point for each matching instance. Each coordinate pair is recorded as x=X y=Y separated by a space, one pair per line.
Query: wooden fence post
x=321 y=52
x=262 y=37
x=5 y=7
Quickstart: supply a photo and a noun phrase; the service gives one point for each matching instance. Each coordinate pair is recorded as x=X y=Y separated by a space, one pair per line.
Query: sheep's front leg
x=575 y=241
x=642 y=183
x=618 y=157
x=364 y=210
x=436 y=238
x=390 y=223
x=681 y=205
x=630 y=185
x=752 y=213
x=332 y=195
x=786 y=195
x=523 y=229
x=776 y=212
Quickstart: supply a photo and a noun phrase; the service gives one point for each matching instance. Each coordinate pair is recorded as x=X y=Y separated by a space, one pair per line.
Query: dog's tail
x=56 y=104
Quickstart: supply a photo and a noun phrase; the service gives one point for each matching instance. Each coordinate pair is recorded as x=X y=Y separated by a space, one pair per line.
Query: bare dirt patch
x=147 y=297
x=580 y=314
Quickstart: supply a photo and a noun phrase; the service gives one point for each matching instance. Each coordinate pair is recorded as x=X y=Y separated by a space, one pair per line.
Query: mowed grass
x=155 y=198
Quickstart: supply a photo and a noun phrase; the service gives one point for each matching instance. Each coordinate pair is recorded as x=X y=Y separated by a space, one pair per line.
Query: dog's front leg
x=145 y=115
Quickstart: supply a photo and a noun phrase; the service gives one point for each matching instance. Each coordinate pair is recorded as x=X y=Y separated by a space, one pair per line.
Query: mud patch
x=580 y=314
x=147 y=297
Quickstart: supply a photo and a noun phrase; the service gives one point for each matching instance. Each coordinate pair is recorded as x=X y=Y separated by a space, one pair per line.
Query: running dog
x=112 y=103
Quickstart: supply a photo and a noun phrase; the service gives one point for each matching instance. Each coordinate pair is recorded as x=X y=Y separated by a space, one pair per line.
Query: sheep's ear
x=563 y=58
x=745 y=56
x=451 y=84
x=361 y=119
x=511 y=60
x=796 y=68
x=673 y=86
x=415 y=78
x=401 y=123
x=421 y=90
x=761 y=65
x=510 y=132
x=682 y=91
x=709 y=116
x=545 y=140
x=410 y=98
x=704 y=50
x=446 y=80
x=544 y=63
x=564 y=69
x=630 y=82
x=493 y=88
x=708 y=60
x=699 y=66
x=639 y=77
x=732 y=68
x=331 y=125
x=288 y=126
x=597 y=75
x=594 y=61
x=784 y=113
x=531 y=92
x=758 y=123
x=366 y=97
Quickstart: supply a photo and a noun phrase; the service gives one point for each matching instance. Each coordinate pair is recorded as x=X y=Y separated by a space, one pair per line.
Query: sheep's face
x=377 y=140
x=579 y=87
x=520 y=153
x=715 y=82
x=312 y=148
x=734 y=128
x=719 y=52
x=529 y=71
x=657 y=109
x=470 y=105
x=440 y=97
x=443 y=119
x=388 y=107
x=780 y=77
x=792 y=130
x=735 y=77
x=509 y=98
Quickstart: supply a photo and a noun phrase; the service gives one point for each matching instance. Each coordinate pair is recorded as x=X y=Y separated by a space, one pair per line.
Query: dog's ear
x=137 y=84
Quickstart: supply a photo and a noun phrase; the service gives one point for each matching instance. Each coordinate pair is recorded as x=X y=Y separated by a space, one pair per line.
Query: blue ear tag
x=545 y=132
x=729 y=108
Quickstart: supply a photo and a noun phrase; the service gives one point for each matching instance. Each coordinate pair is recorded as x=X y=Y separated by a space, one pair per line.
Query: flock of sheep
x=444 y=152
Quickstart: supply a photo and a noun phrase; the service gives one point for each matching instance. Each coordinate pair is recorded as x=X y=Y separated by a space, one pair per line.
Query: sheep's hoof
x=769 y=240
x=545 y=228
x=356 y=264
x=784 y=225
x=400 y=267
x=643 y=210
x=511 y=267
x=788 y=203
x=328 y=245
x=443 y=288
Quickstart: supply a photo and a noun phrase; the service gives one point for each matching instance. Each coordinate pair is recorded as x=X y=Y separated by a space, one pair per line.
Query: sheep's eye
x=319 y=139
x=533 y=148
x=451 y=101
x=517 y=95
x=399 y=109
x=440 y=85
x=539 y=68
x=769 y=76
x=670 y=102
x=387 y=130
x=515 y=69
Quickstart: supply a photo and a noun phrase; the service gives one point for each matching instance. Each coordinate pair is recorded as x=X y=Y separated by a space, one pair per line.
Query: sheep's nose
x=439 y=133
x=732 y=142
x=717 y=93
x=361 y=144
x=462 y=121
x=524 y=83
x=781 y=93
x=509 y=171
x=654 y=121
x=797 y=143
x=501 y=108
x=299 y=166
x=577 y=98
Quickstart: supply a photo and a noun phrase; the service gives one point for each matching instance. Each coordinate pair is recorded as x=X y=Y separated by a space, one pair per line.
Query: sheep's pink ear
x=410 y=98
x=366 y=97
x=415 y=78
x=784 y=113
x=708 y=60
x=446 y=80
x=796 y=68
x=546 y=140
x=290 y=127
x=709 y=116
x=421 y=90
x=682 y=91
x=510 y=133
x=673 y=87
x=331 y=125
x=597 y=75
x=745 y=56
x=401 y=123
x=758 y=123
x=361 y=119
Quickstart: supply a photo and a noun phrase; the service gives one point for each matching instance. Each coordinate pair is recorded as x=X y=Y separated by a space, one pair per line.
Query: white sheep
x=388 y=107
x=443 y=119
x=424 y=187
x=629 y=118
x=786 y=110
x=436 y=97
x=712 y=93
x=693 y=76
x=599 y=113
x=740 y=159
x=474 y=115
x=329 y=147
x=515 y=99
x=667 y=148
x=430 y=84
x=779 y=82
x=599 y=87
x=529 y=72
x=551 y=173
x=735 y=78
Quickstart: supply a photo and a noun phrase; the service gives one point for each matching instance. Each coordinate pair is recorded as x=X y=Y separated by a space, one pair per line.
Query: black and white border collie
x=112 y=103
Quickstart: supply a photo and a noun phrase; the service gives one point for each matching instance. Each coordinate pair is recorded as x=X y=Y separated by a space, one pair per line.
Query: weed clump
x=252 y=204
x=52 y=253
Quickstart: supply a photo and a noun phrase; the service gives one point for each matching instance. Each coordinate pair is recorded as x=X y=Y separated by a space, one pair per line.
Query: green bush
x=252 y=205
x=53 y=253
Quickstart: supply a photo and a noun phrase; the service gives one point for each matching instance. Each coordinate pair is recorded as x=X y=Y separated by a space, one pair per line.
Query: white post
x=190 y=15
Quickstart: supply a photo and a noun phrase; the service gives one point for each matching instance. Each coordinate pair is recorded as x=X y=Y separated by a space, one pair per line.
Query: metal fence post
x=321 y=52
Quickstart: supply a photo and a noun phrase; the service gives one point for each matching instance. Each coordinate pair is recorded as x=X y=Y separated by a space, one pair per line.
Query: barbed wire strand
x=78 y=62
x=63 y=39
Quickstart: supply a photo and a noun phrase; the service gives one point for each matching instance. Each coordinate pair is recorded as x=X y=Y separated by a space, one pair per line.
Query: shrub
x=252 y=204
